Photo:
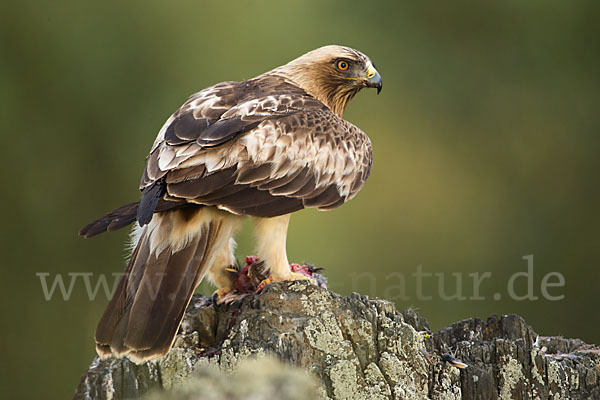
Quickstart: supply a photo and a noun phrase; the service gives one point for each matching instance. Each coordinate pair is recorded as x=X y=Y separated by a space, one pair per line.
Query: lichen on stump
x=355 y=348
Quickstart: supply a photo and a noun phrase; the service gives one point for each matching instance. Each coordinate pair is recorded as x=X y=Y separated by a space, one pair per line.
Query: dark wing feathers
x=218 y=114
x=225 y=130
x=254 y=173
x=181 y=175
x=333 y=205
x=325 y=198
x=301 y=177
x=150 y=197
x=152 y=172
x=277 y=206
x=125 y=215
x=286 y=147
x=117 y=218
x=273 y=185
x=204 y=185
x=263 y=147
x=308 y=188
x=215 y=197
x=186 y=128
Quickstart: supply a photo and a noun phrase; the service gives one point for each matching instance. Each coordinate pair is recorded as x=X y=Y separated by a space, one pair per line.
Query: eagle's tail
x=172 y=256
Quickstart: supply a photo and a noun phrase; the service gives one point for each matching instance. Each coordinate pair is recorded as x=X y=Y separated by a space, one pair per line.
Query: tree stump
x=353 y=348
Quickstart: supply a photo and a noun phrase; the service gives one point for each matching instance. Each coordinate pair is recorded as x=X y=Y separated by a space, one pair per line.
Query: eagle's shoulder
x=221 y=113
x=260 y=147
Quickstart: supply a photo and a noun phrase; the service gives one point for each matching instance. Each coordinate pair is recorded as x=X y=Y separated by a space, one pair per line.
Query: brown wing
x=275 y=151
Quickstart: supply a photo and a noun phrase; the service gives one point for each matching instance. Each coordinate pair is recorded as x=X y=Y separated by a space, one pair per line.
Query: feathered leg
x=271 y=249
x=220 y=273
x=271 y=235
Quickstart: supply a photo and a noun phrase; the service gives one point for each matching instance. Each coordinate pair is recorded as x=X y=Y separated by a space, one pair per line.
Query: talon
x=293 y=276
x=227 y=296
x=220 y=294
x=231 y=297
x=253 y=277
x=264 y=283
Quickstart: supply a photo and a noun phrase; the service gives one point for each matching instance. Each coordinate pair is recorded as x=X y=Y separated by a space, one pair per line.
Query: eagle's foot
x=298 y=276
x=254 y=276
x=219 y=294
x=227 y=296
x=264 y=283
x=294 y=276
x=299 y=273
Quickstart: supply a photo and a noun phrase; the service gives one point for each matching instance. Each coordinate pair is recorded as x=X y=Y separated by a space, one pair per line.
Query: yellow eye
x=343 y=65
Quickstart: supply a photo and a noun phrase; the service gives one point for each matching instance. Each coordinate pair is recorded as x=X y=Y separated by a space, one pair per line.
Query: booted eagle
x=265 y=147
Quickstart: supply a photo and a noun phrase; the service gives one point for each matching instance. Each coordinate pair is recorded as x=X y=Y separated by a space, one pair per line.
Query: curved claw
x=264 y=283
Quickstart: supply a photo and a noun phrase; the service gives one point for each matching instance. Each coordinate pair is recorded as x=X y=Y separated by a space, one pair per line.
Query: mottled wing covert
x=262 y=147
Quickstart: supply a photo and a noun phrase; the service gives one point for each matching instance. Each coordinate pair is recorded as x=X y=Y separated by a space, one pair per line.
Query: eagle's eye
x=342 y=65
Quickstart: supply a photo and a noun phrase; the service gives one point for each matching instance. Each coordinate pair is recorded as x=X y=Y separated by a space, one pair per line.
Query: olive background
x=485 y=137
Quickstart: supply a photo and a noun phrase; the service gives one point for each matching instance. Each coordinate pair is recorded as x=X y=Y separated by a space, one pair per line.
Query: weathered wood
x=355 y=348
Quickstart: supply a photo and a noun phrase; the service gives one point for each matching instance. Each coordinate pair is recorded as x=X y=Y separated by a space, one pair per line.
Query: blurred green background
x=485 y=141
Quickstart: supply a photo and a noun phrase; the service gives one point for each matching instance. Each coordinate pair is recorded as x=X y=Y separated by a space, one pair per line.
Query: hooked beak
x=373 y=79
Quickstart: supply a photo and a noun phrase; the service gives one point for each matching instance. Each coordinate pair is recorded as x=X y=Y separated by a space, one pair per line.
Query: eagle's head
x=333 y=74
